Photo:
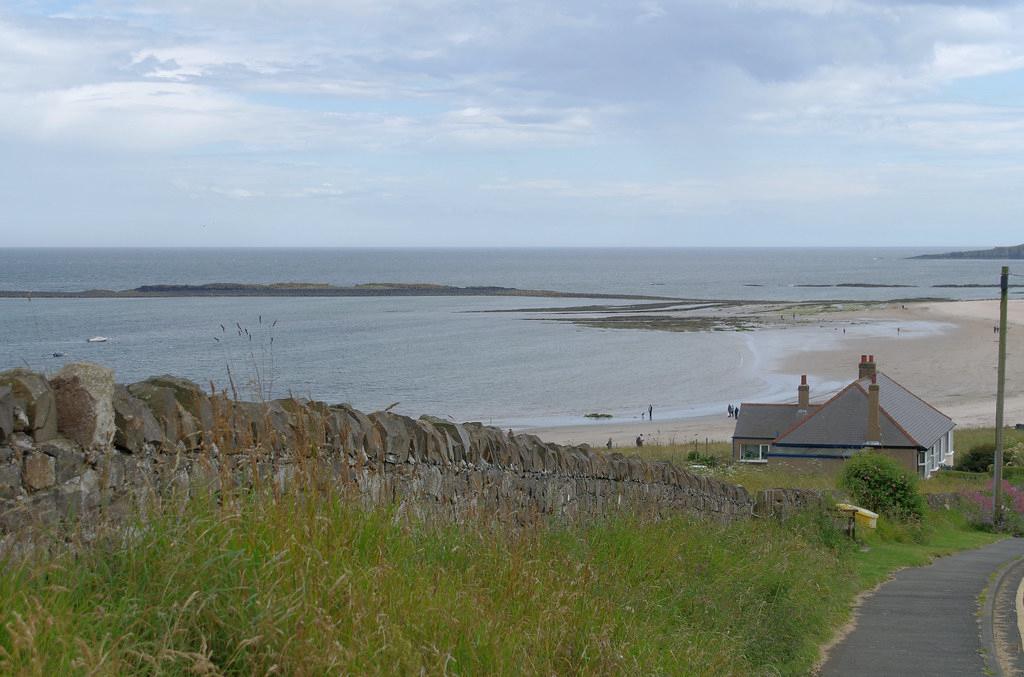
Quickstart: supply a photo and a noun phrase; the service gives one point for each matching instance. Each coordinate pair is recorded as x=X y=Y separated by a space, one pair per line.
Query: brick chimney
x=874 y=435
x=866 y=368
x=803 y=394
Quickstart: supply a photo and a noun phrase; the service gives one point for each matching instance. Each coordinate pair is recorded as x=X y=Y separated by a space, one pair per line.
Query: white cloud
x=666 y=106
x=971 y=60
x=791 y=186
x=194 y=61
x=124 y=115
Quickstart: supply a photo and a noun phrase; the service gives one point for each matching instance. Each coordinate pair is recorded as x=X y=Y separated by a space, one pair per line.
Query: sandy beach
x=946 y=354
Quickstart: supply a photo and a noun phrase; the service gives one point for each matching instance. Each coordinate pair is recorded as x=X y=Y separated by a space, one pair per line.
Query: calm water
x=430 y=355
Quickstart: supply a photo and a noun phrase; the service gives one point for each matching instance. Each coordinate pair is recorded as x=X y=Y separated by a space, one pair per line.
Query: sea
x=435 y=355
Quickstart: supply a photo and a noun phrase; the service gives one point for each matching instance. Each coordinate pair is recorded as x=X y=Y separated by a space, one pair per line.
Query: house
x=873 y=412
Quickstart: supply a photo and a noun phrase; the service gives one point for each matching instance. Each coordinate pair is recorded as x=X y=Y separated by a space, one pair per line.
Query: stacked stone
x=79 y=442
x=785 y=503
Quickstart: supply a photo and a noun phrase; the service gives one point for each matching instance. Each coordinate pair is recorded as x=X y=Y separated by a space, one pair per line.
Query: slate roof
x=922 y=422
x=768 y=421
x=843 y=422
x=905 y=419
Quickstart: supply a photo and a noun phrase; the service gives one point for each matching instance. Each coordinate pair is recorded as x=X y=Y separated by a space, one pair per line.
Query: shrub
x=982 y=457
x=878 y=483
x=979 y=459
x=702 y=459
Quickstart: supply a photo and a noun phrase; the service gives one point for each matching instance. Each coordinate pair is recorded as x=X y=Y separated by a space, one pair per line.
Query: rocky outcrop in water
x=77 y=444
x=996 y=253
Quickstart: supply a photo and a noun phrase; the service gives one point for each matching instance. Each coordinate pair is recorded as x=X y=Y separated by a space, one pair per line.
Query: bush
x=878 y=483
x=979 y=459
x=982 y=457
x=702 y=459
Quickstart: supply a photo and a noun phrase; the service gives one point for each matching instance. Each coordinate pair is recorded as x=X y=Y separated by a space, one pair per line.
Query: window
x=754 y=452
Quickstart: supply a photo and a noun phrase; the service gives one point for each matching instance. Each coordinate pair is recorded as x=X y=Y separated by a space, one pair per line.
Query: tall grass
x=966 y=439
x=308 y=584
x=680 y=454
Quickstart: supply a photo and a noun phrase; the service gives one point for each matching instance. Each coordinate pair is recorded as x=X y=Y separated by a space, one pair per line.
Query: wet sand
x=953 y=367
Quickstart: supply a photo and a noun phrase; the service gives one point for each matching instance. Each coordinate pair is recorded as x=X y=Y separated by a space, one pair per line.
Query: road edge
x=987 y=610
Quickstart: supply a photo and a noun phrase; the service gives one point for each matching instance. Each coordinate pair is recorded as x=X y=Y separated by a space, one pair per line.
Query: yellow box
x=862 y=516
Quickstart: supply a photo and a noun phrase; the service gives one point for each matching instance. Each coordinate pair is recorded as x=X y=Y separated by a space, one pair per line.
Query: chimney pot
x=803 y=379
x=866 y=367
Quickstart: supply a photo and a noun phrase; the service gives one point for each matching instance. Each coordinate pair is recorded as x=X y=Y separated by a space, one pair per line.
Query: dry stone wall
x=77 y=444
x=785 y=503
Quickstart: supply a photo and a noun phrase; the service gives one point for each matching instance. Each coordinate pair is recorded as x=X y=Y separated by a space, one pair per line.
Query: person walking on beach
x=736 y=411
x=609 y=443
x=730 y=410
x=650 y=412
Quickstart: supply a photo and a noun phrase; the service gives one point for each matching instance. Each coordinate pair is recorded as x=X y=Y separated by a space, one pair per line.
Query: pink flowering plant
x=980 y=507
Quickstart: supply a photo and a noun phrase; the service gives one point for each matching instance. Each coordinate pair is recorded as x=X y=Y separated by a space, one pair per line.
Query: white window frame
x=762 y=453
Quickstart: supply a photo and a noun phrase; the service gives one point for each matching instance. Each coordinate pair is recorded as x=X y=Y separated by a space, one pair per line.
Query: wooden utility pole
x=997 y=475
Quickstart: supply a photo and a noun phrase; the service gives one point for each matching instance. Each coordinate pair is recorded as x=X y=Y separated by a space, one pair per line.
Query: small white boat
x=97 y=339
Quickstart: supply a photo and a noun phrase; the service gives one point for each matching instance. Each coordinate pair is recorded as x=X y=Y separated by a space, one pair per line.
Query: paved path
x=925 y=620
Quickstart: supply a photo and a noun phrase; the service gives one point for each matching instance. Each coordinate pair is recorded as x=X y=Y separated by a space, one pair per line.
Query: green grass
x=755 y=477
x=952 y=481
x=313 y=584
x=966 y=439
x=894 y=546
x=677 y=453
x=318 y=586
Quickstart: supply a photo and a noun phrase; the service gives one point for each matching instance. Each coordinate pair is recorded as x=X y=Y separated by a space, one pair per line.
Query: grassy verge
x=895 y=546
x=318 y=586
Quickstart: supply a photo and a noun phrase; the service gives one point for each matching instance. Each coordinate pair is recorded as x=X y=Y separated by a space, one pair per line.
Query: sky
x=523 y=123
